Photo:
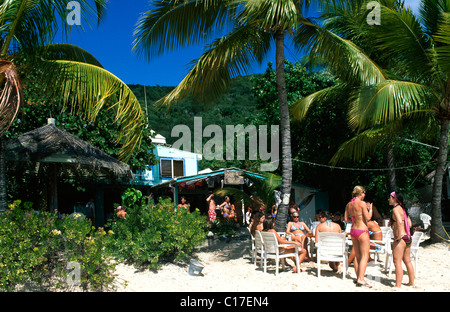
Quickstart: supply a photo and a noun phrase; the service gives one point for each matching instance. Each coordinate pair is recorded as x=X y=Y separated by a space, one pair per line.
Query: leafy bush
x=223 y=227
x=152 y=234
x=37 y=248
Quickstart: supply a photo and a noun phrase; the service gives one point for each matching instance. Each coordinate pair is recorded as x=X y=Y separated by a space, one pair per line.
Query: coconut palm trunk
x=391 y=166
x=437 y=231
x=286 y=161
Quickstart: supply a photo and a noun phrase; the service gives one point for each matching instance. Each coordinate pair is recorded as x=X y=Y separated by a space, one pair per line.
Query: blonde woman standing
x=359 y=212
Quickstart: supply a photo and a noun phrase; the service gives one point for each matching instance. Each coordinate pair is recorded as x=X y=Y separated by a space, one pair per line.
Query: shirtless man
x=212 y=207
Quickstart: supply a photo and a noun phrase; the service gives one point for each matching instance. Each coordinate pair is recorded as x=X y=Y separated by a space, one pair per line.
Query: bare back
x=327 y=226
x=358 y=213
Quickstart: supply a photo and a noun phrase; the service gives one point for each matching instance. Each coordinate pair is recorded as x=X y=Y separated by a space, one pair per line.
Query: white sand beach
x=228 y=266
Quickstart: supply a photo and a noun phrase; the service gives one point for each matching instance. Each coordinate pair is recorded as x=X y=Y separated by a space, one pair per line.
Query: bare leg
x=357 y=255
x=409 y=266
x=398 y=250
x=364 y=247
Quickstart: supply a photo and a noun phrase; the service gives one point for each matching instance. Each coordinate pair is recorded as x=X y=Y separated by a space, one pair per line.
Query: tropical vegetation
x=152 y=234
x=39 y=249
x=322 y=132
x=50 y=252
x=407 y=79
x=27 y=32
x=248 y=28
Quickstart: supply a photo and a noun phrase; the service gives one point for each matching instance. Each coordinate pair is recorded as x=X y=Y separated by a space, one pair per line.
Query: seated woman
x=256 y=223
x=269 y=225
x=375 y=234
x=297 y=229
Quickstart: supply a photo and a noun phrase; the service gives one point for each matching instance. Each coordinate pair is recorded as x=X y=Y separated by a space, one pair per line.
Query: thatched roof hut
x=50 y=144
x=64 y=155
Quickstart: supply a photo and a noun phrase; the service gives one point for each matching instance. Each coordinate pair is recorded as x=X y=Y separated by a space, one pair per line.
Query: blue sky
x=111 y=44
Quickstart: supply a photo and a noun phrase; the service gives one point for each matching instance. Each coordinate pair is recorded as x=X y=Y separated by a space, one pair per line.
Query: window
x=172 y=168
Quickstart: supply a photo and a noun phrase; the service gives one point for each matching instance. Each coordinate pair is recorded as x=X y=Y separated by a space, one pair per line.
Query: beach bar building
x=196 y=188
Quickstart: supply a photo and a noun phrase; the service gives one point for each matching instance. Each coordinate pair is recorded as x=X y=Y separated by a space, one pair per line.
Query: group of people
x=225 y=211
x=361 y=214
x=260 y=222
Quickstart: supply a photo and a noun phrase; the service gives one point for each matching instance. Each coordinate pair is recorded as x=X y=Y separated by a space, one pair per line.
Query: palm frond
x=11 y=96
x=443 y=50
x=300 y=108
x=273 y=15
x=387 y=101
x=67 y=52
x=361 y=145
x=86 y=89
x=342 y=57
x=175 y=24
x=400 y=37
x=430 y=14
x=31 y=23
x=226 y=58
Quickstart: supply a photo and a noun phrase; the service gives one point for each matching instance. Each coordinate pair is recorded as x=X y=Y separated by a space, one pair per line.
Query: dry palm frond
x=11 y=97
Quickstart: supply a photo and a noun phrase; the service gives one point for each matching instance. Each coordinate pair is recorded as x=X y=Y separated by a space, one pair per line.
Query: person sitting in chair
x=328 y=226
x=268 y=226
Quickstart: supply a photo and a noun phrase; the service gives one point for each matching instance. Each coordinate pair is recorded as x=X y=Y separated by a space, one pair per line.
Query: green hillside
x=238 y=106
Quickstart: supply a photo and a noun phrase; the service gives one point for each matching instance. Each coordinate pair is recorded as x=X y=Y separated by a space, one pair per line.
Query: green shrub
x=153 y=234
x=37 y=248
x=219 y=227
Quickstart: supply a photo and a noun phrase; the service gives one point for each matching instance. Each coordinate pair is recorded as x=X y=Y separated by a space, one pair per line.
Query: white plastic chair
x=381 y=245
x=415 y=242
x=332 y=247
x=426 y=220
x=253 y=253
x=348 y=227
x=272 y=251
x=259 y=248
x=314 y=226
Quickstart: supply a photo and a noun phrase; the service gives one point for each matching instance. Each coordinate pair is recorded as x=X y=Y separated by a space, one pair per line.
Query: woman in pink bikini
x=401 y=247
x=359 y=212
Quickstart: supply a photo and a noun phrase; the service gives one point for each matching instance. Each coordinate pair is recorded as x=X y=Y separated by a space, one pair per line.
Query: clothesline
x=363 y=169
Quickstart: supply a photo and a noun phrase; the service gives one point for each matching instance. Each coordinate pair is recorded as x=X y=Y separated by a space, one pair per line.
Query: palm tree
x=423 y=85
x=64 y=71
x=249 y=28
x=416 y=85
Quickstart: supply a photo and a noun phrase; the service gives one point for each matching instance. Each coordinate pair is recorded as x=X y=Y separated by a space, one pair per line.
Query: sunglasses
x=294 y=217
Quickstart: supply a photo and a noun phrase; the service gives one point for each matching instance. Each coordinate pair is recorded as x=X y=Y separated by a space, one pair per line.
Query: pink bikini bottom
x=357 y=233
